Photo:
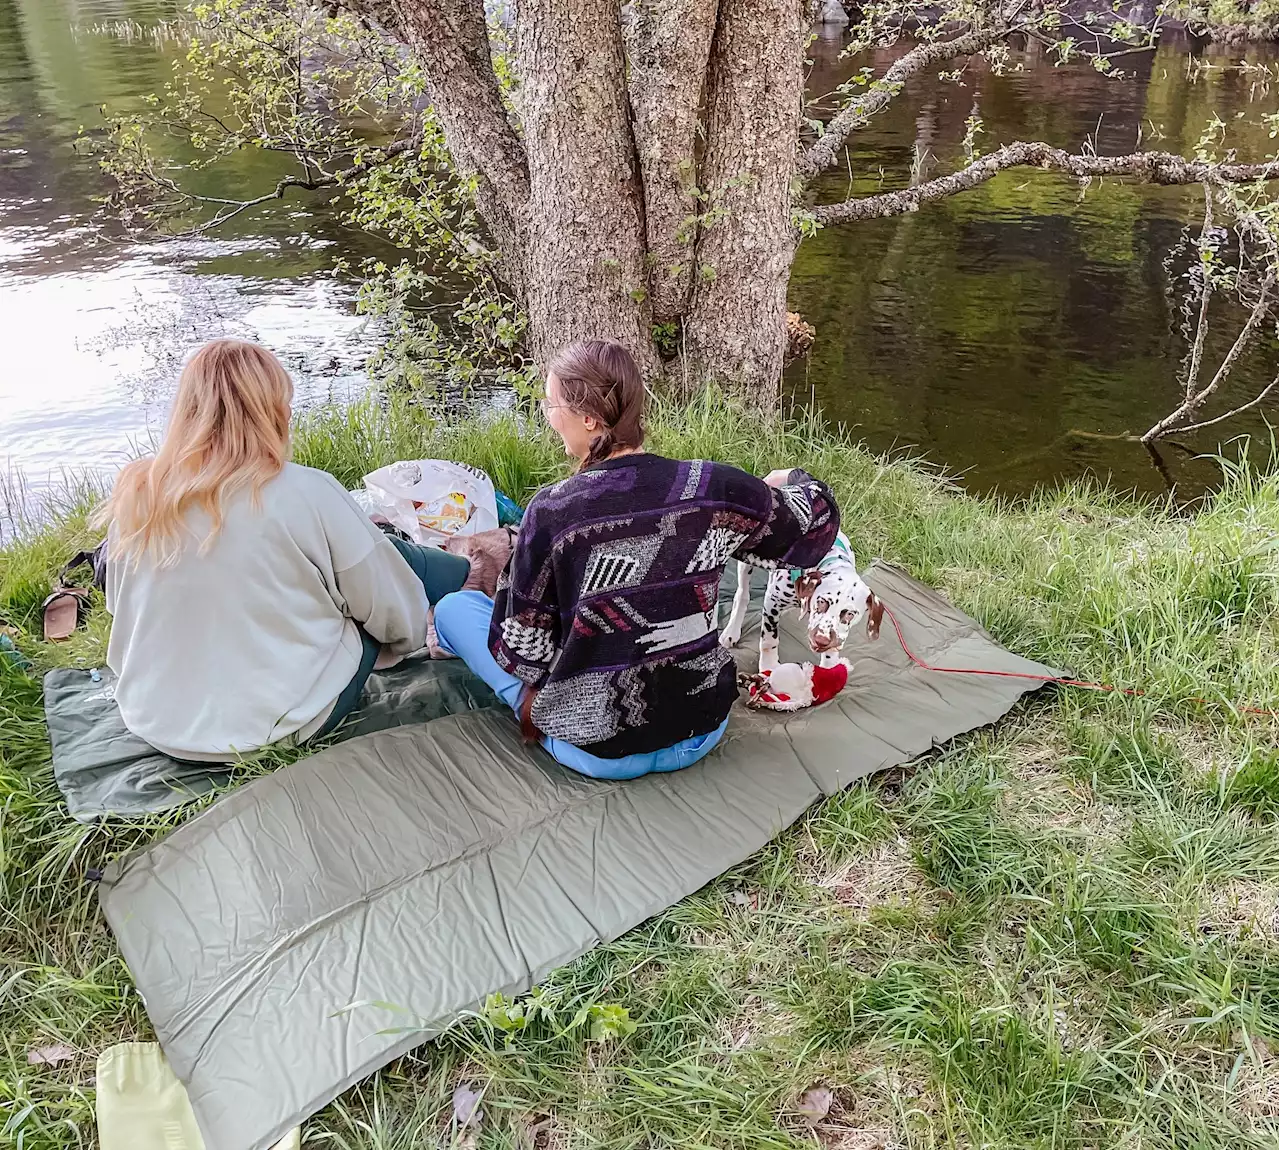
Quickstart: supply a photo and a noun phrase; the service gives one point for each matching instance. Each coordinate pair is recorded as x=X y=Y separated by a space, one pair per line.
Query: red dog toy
x=794 y=686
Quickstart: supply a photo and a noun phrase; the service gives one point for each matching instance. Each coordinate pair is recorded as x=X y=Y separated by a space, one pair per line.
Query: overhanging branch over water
x=1154 y=167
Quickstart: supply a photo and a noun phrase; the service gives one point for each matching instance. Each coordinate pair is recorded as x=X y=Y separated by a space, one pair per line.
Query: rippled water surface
x=94 y=325
x=1008 y=334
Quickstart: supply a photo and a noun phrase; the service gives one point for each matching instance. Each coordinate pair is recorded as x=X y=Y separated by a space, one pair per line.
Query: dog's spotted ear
x=875 y=615
x=805 y=586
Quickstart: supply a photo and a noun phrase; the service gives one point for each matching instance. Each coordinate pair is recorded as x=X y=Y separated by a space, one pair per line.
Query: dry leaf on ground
x=53 y=1055
x=466 y=1106
x=814 y=1104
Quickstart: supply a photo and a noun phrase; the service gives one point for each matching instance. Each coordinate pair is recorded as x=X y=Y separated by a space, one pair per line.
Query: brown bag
x=527 y=729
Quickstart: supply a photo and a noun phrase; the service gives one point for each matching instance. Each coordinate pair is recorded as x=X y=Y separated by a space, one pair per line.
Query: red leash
x=1130 y=691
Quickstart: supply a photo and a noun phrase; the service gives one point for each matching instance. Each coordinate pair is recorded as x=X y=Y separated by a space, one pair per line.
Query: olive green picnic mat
x=102 y=768
x=285 y=939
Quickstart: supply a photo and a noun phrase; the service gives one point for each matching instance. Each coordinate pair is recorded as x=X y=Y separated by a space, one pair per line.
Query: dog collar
x=839 y=554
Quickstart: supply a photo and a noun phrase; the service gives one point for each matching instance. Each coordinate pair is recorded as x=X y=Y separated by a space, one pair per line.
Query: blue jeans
x=440 y=573
x=462 y=628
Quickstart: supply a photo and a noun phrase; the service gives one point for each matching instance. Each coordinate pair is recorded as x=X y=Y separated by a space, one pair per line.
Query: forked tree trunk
x=608 y=212
x=736 y=328
x=668 y=44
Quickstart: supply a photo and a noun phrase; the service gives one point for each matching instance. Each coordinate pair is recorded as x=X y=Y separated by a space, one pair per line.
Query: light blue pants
x=462 y=627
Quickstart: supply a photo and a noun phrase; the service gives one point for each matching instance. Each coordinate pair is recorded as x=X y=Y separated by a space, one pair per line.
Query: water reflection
x=1013 y=331
x=94 y=325
x=1004 y=333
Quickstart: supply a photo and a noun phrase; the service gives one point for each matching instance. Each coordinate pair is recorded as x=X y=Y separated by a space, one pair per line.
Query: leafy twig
x=1194 y=402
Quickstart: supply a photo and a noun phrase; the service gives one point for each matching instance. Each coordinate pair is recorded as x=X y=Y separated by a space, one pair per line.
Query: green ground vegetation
x=1058 y=932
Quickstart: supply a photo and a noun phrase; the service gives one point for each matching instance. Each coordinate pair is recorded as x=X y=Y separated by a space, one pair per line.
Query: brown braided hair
x=600 y=378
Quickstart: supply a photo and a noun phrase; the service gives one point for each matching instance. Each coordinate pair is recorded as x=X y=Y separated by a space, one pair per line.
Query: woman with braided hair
x=602 y=636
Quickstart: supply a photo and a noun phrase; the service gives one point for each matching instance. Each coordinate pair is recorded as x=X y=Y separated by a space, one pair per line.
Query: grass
x=1059 y=932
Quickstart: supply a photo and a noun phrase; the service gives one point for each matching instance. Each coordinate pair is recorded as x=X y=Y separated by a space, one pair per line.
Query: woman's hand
x=778 y=478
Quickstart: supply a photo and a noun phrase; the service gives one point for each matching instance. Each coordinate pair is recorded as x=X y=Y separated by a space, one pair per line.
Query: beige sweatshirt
x=254 y=639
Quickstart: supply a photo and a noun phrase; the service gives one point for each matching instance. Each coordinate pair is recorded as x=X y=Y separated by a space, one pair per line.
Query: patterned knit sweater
x=608 y=605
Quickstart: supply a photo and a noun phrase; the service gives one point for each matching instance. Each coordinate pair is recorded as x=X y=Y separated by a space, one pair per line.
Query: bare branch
x=856 y=113
x=1195 y=402
x=227 y=208
x=1266 y=391
x=1157 y=167
x=1206 y=292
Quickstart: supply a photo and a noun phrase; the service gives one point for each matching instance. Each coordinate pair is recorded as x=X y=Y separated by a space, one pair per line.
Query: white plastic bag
x=367 y=502
x=432 y=500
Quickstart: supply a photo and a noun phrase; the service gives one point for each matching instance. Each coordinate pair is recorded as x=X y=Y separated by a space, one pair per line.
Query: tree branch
x=227 y=208
x=1266 y=391
x=1157 y=167
x=1195 y=402
x=857 y=112
x=1206 y=292
x=450 y=40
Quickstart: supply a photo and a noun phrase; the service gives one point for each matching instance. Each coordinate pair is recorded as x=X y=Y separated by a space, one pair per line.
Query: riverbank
x=986 y=332
x=1057 y=932
x=1233 y=22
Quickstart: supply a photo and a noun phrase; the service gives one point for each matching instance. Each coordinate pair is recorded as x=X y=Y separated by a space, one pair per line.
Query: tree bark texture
x=604 y=230
x=586 y=264
x=668 y=43
x=735 y=330
x=451 y=40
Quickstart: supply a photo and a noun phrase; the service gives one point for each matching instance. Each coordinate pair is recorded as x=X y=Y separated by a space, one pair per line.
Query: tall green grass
x=1060 y=932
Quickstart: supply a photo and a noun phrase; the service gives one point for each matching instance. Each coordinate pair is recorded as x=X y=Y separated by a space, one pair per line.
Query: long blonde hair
x=228 y=430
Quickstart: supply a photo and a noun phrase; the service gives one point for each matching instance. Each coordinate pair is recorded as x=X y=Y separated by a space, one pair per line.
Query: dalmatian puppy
x=832 y=595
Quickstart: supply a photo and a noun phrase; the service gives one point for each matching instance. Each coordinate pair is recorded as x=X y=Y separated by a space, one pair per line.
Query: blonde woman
x=251 y=596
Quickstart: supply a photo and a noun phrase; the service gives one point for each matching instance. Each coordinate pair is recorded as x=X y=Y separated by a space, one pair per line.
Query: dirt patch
x=858 y=1118
x=1240 y=909
x=1044 y=797
x=1257 y=1090
x=1242 y=1076
x=873 y=1138
x=541 y=1132
x=841 y=1118
x=758 y=1023
x=1198 y=744
x=854 y=1101
x=885 y=876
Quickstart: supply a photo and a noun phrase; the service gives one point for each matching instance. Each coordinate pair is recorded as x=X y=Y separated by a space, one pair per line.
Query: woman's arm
x=798 y=518
x=378 y=589
x=385 y=597
x=524 y=635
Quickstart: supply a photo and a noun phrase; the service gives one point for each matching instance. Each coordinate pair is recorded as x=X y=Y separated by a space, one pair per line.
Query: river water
x=94 y=325
x=1007 y=335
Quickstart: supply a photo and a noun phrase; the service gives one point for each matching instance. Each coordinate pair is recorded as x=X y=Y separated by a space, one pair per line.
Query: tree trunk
x=668 y=43
x=451 y=40
x=602 y=231
x=735 y=330
x=585 y=234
